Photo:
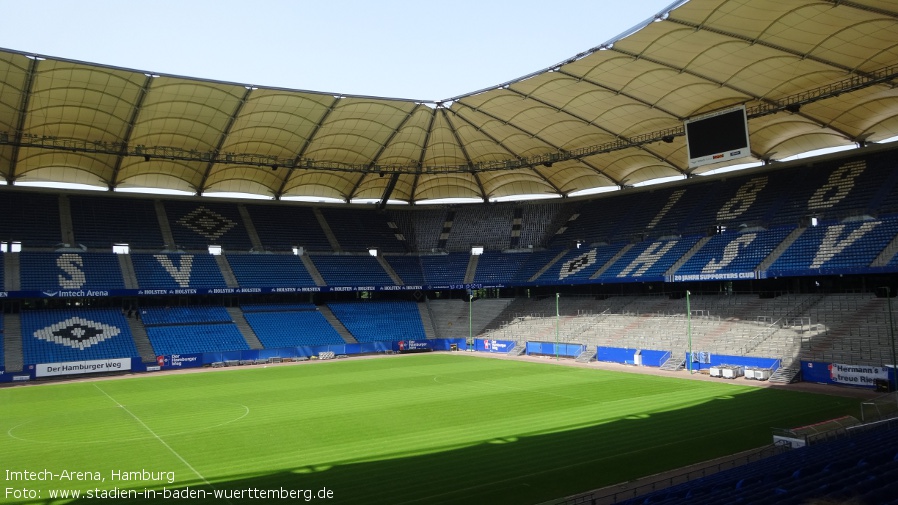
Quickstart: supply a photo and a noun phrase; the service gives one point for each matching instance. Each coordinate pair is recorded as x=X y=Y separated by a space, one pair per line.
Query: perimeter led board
x=716 y=137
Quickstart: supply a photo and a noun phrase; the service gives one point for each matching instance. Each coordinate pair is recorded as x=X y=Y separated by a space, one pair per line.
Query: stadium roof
x=811 y=74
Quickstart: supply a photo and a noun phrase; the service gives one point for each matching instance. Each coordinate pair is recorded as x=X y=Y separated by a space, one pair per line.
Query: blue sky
x=426 y=50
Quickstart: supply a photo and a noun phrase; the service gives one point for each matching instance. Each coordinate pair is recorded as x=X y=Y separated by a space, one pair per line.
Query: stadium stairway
x=12 y=277
x=473 y=261
x=326 y=227
x=164 y=226
x=781 y=248
x=586 y=356
x=674 y=364
x=548 y=265
x=689 y=254
x=389 y=270
x=250 y=227
x=887 y=254
x=517 y=350
x=65 y=220
x=226 y=272
x=312 y=269
x=141 y=340
x=243 y=326
x=787 y=373
x=12 y=342
x=337 y=324
x=611 y=262
x=426 y=320
x=128 y=275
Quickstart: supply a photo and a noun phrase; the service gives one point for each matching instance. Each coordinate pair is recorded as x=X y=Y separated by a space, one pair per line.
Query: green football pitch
x=413 y=429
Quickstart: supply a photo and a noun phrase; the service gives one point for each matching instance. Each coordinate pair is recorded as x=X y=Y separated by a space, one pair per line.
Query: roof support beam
x=380 y=152
x=222 y=138
x=464 y=151
x=867 y=8
x=597 y=84
x=135 y=113
x=757 y=98
x=537 y=137
x=503 y=146
x=762 y=43
x=592 y=123
x=305 y=145
x=20 y=123
x=394 y=178
x=421 y=156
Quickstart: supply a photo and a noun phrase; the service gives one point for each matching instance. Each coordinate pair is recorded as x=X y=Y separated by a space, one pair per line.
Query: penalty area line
x=157 y=437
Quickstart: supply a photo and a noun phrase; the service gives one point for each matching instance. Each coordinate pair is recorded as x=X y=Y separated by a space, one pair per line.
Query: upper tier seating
x=54 y=336
x=70 y=271
x=100 y=222
x=174 y=271
x=196 y=225
x=358 y=231
x=281 y=227
x=536 y=219
x=31 y=218
x=487 y=226
x=422 y=228
x=372 y=321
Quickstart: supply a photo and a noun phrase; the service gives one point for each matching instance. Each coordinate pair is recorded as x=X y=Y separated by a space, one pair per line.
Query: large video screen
x=716 y=137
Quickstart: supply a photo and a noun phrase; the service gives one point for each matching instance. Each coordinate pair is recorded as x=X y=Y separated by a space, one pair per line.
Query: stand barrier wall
x=627 y=355
x=178 y=361
x=746 y=361
x=549 y=348
x=864 y=376
x=494 y=346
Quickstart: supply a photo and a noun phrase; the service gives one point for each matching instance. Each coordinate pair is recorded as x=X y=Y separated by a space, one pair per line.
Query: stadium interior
x=774 y=269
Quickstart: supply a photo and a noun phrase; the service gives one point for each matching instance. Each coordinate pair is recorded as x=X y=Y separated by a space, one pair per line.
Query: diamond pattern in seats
x=207 y=223
x=77 y=333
